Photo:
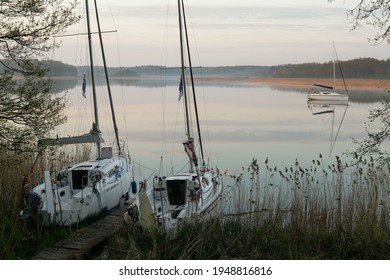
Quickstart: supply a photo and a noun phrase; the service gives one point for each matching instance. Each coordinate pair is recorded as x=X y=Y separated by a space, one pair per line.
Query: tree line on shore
x=360 y=68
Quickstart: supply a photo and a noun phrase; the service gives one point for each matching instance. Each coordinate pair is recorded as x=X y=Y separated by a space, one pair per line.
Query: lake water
x=238 y=121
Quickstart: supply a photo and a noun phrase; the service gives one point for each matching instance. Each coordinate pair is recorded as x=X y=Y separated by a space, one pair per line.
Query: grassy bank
x=323 y=211
x=218 y=240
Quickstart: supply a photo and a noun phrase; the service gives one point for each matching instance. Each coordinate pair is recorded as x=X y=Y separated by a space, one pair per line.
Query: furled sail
x=94 y=136
x=323 y=86
x=190 y=150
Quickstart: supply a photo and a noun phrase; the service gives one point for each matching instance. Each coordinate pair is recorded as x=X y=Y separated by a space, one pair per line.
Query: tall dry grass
x=337 y=196
x=324 y=211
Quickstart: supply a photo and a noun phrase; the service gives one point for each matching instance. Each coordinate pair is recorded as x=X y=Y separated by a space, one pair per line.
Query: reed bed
x=324 y=211
x=337 y=196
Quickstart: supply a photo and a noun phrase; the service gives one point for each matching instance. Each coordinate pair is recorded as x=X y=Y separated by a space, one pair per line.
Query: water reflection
x=65 y=84
x=240 y=122
x=321 y=107
x=356 y=95
x=61 y=85
x=367 y=96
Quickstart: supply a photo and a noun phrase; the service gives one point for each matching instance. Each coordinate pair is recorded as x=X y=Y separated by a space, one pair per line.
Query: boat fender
x=134 y=187
x=32 y=199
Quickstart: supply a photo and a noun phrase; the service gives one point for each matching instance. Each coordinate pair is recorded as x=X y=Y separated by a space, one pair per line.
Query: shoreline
x=306 y=82
x=380 y=84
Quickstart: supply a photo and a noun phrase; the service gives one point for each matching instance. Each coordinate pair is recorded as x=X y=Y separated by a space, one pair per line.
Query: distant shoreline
x=306 y=82
x=379 y=84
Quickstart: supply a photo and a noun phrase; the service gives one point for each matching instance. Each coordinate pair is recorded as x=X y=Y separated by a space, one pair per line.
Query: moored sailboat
x=196 y=193
x=87 y=188
x=326 y=92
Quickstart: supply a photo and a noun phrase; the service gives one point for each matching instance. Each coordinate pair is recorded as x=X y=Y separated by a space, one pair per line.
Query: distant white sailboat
x=197 y=192
x=87 y=188
x=328 y=92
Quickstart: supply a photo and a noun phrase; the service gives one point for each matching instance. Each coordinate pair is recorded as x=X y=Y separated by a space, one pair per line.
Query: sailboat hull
x=186 y=196
x=83 y=190
x=327 y=96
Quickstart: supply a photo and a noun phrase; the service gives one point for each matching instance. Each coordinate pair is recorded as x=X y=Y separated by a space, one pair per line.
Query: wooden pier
x=82 y=243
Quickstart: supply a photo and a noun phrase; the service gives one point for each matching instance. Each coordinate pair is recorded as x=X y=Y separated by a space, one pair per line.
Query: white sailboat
x=197 y=192
x=88 y=188
x=325 y=92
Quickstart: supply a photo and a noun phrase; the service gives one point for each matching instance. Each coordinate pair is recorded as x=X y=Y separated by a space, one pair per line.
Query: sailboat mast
x=107 y=79
x=334 y=68
x=183 y=77
x=193 y=85
x=95 y=107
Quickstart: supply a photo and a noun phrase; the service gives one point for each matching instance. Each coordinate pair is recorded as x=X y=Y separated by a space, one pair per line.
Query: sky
x=224 y=32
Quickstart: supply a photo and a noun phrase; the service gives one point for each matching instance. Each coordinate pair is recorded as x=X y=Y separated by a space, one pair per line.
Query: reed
x=333 y=196
x=323 y=211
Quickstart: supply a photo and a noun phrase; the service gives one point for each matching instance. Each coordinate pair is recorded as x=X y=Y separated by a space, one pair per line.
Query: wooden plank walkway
x=82 y=242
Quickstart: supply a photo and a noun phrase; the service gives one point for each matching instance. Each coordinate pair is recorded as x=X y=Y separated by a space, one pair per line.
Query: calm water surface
x=239 y=122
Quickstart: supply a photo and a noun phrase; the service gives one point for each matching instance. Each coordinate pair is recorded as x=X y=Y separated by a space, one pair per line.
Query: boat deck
x=84 y=243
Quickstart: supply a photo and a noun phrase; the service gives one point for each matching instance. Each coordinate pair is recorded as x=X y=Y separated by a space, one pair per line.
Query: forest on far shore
x=360 y=68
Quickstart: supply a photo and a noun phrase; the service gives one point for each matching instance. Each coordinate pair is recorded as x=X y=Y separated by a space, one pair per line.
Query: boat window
x=176 y=192
x=78 y=178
